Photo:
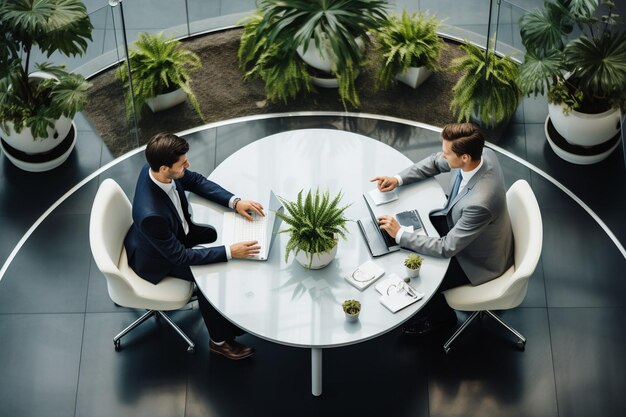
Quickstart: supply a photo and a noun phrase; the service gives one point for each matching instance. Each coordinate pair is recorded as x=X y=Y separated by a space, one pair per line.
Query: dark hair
x=164 y=149
x=466 y=138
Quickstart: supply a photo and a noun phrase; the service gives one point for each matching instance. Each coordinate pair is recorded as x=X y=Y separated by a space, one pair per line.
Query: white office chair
x=110 y=220
x=507 y=291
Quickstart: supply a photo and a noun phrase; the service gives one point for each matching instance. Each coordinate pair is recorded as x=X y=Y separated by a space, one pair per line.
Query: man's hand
x=389 y=224
x=246 y=206
x=385 y=183
x=244 y=249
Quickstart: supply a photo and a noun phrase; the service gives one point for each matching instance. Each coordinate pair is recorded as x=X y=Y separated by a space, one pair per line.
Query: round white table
x=283 y=302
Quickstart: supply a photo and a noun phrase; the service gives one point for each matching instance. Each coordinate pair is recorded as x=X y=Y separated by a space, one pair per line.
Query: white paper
x=381 y=198
x=363 y=276
x=397 y=294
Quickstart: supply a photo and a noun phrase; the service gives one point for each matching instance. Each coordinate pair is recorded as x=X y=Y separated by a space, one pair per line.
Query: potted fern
x=329 y=35
x=410 y=48
x=37 y=108
x=585 y=77
x=315 y=224
x=161 y=69
x=487 y=90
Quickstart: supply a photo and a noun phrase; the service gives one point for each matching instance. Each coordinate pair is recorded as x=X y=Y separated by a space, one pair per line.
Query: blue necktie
x=455 y=188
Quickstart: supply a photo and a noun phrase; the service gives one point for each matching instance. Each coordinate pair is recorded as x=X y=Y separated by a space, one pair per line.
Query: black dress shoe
x=231 y=349
x=424 y=326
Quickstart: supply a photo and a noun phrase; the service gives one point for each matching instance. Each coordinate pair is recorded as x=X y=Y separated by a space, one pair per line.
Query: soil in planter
x=223 y=95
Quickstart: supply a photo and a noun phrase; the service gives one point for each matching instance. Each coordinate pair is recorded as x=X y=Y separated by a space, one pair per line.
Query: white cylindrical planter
x=414 y=76
x=25 y=142
x=351 y=317
x=167 y=100
x=584 y=129
x=411 y=273
x=322 y=60
x=319 y=260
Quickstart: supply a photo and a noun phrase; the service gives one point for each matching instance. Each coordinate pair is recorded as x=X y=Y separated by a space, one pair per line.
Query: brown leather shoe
x=231 y=349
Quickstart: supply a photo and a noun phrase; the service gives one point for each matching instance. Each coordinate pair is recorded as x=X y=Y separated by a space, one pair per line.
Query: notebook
x=263 y=229
x=397 y=294
x=379 y=242
x=365 y=275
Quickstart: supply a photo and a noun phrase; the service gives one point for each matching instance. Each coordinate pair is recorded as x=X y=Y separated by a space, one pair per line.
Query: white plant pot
x=325 y=82
x=585 y=129
x=351 y=317
x=411 y=273
x=324 y=59
x=320 y=260
x=25 y=142
x=414 y=76
x=167 y=100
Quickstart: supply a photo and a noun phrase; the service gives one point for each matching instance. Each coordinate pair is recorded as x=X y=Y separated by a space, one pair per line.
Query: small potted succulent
x=352 y=308
x=413 y=262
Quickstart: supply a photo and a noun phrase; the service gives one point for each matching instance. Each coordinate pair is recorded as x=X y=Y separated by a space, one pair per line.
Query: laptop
x=263 y=229
x=379 y=242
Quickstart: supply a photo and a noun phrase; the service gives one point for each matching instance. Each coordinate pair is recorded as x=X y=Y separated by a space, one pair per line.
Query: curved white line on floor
x=127 y=155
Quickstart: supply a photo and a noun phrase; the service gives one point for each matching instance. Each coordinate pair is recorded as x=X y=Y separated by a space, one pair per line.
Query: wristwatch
x=237 y=200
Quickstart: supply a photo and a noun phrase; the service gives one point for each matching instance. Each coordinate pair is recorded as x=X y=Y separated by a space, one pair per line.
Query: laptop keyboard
x=246 y=230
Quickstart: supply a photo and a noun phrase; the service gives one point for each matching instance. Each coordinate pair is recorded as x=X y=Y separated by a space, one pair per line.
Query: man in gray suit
x=474 y=225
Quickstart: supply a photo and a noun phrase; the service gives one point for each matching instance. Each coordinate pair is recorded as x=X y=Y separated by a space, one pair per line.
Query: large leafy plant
x=487 y=87
x=159 y=65
x=284 y=74
x=407 y=41
x=332 y=26
x=587 y=72
x=315 y=222
x=51 y=26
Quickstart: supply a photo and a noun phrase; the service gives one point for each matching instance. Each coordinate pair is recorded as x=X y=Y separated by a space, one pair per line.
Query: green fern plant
x=487 y=87
x=315 y=222
x=407 y=41
x=284 y=74
x=159 y=65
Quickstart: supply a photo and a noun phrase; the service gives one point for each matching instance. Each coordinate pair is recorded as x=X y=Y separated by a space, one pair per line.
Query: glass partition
x=117 y=26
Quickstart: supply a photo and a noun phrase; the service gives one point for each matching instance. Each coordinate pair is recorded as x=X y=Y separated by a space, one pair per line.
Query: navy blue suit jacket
x=156 y=243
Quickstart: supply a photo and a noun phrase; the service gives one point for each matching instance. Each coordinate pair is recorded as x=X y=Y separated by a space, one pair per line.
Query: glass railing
x=121 y=21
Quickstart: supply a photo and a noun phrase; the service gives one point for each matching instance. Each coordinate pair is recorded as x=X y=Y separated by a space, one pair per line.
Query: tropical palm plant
x=159 y=65
x=407 y=41
x=586 y=73
x=332 y=26
x=51 y=26
x=284 y=74
x=487 y=87
x=315 y=222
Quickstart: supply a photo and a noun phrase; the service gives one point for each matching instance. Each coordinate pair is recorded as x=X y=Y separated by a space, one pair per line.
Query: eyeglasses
x=362 y=276
x=401 y=287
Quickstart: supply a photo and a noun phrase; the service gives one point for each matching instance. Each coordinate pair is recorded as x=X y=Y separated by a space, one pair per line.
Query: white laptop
x=263 y=229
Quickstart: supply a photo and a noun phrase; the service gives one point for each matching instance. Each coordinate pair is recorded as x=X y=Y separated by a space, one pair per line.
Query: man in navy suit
x=162 y=237
x=474 y=227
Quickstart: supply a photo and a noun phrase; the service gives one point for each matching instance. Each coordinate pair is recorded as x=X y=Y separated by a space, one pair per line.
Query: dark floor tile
x=486 y=375
x=147 y=377
x=535 y=109
x=39 y=362
x=582 y=267
x=588 y=348
x=379 y=377
x=513 y=139
x=202 y=151
x=80 y=201
x=125 y=173
x=98 y=300
x=50 y=272
x=13 y=228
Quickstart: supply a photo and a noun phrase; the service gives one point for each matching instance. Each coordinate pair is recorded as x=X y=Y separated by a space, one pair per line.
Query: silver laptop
x=263 y=229
x=379 y=242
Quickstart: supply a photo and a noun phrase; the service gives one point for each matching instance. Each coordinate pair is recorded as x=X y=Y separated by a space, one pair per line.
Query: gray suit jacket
x=480 y=234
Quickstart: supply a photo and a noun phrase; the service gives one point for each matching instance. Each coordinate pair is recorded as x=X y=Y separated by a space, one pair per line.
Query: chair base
x=157 y=314
x=521 y=339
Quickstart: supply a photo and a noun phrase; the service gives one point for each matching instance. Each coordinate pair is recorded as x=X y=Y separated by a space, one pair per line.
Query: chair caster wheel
x=521 y=344
x=117 y=344
x=191 y=350
x=446 y=350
